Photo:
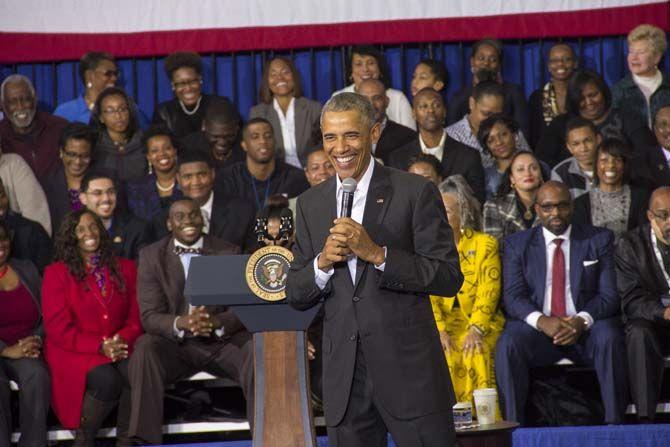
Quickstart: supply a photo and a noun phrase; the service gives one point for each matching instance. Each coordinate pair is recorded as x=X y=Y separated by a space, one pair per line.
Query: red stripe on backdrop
x=33 y=47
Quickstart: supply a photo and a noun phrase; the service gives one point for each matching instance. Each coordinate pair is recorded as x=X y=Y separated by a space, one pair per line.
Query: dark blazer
x=393 y=137
x=307 y=126
x=199 y=142
x=55 y=188
x=170 y=114
x=388 y=312
x=593 y=287
x=515 y=105
x=160 y=287
x=457 y=159
x=129 y=234
x=143 y=198
x=640 y=279
x=29 y=240
x=650 y=168
x=31 y=280
x=637 y=214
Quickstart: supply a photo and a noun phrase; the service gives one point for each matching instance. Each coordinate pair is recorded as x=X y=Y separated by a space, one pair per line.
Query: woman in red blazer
x=91 y=320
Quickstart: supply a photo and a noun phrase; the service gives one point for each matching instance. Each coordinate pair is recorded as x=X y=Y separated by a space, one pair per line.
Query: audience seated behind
x=642 y=266
x=97 y=71
x=645 y=87
x=29 y=239
x=184 y=113
x=20 y=347
x=294 y=118
x=26 y=131
x=429 y=73
x=613 y=203
x=366 y=62
x=63 y=186
x=488 y=98
x=512 y=209
x=393 y=135
x=650 y=164
x=486 y=64
x=226 y=217
x=261 y=175
x=318 y=169
x=219 y=138
x=427 y=166
x=91 y=321
x=180 y=339
x=429 y=111
x=152 y=194
x=550 y=100
x=590 y=98
x=127 y=233
x=552 y=315
x=471 y=321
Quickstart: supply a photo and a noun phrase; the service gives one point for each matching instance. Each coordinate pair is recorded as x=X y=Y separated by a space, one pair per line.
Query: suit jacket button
x=356 y=299
x=353 y=337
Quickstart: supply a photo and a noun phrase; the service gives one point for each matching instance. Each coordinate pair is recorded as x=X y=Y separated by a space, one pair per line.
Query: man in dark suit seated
x=261 y=175
x=225 y=217
x=429 y=110
x=393 y=134
x=181 y=339
x=651 y=166
x=384 y=369
x=642 y=265
x=561 y=301
x=98 y=193
x=29 y=239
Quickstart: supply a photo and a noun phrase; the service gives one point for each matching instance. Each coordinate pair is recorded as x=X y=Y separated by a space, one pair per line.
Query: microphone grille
x=349 y=185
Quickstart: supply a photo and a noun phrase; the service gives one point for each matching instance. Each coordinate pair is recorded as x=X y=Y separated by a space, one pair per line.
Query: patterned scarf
x=549 y=103
x=97 y=270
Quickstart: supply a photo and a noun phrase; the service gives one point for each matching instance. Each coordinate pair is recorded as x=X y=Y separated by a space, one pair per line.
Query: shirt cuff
x=220 y=332
x=532 y=318
x=382 y=266
x=320 y=277
x=177 y=333
x=588 y=319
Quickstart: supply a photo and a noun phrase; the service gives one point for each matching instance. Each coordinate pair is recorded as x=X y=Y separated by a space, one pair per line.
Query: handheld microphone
x=348 y=188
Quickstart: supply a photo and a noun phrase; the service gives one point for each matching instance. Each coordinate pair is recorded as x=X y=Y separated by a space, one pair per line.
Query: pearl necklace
x=195 y=109
x=165 y=189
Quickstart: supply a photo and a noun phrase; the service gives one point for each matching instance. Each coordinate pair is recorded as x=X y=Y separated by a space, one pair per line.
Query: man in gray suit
x=384 y=369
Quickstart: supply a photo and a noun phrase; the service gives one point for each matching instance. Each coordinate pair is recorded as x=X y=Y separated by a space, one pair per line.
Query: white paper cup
x=462 y=414
x=486 y=402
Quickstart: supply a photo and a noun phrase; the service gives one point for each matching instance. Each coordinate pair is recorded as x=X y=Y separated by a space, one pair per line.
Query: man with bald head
x=25 y=130
x=642 y=266
x=393 y=134
x=561 y=301
x=429 y=111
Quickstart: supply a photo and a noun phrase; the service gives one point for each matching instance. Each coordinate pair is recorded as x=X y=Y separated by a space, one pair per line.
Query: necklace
x=4 y=271
x=165 y=188
x=528 y=214
x=195 y=109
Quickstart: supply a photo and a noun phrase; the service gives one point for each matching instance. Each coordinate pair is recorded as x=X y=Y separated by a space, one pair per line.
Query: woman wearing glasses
x=119 y=144
x=184 y=113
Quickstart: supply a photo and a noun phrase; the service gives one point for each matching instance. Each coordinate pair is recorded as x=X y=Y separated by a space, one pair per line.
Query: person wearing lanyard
x=261 y=174
x=643 y=266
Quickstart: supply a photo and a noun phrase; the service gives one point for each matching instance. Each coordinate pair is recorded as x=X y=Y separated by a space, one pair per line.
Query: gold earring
x=89 y=84
x=151 y=170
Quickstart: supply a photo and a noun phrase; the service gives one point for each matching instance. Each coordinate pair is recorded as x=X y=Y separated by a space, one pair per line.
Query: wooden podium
x=283 y=410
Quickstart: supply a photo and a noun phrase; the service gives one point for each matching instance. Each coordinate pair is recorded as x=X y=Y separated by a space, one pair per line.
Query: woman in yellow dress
x=471 y=322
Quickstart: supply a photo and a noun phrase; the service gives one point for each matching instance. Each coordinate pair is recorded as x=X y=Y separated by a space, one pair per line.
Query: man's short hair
x=220 y=111
x=15 y=78
x=77 y=131
x=194 y=157
x=487 y=88
x=96 y=175
x=577 y=122
x=347 y=101
x=257 y=120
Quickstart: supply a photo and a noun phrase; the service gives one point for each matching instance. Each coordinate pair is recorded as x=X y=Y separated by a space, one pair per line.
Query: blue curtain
x=237 y=75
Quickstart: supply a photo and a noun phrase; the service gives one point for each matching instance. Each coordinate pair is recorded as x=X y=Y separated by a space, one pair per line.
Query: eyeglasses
x=82 y=157
x=661 y=215
x=549 y=207
x=188 y=83
x=110 y=111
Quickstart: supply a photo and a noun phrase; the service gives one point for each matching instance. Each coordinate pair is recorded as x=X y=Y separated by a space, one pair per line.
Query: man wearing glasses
x=642 y=266
x=560 y=295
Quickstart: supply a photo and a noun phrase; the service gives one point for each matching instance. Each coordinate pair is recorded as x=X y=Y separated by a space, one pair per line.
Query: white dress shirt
x=357 y=210
x=437 y=151
x=206 y=211
x=570 y=309
x=287 y=123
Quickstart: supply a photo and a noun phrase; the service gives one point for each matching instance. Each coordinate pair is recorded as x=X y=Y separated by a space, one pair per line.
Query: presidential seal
x=266 y=272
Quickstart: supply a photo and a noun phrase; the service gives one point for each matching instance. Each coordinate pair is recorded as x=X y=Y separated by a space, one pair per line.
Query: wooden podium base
x=283 y=407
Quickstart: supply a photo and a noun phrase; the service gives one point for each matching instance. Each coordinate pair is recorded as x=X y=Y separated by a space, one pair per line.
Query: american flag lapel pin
x=380 y=200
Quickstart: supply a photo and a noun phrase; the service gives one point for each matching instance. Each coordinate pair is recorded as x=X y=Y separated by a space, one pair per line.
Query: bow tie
x=179 y=250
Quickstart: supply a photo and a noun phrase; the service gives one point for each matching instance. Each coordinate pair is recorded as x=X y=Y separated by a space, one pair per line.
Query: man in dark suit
x=384 y=369
x=180 y=339
x=561 y=300
x=650 y=164
x=429 y=110
x=642 y=266
x=226 y=217
x=98 y=193
x=393 y=135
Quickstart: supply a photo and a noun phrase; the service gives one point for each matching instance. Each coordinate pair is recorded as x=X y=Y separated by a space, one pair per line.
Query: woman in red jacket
x=91 y=320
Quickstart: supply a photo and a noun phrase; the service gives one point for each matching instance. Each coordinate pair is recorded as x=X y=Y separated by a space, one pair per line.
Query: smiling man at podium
x=384 y=370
